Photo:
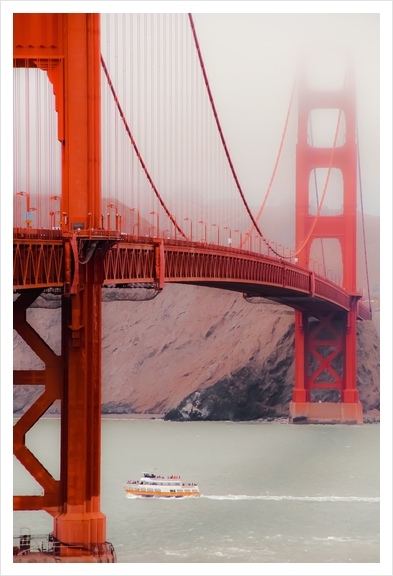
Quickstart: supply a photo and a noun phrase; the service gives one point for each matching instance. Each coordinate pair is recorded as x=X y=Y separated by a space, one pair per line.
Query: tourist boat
x=153 y=486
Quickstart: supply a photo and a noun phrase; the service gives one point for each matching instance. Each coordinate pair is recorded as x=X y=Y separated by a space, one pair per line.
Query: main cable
x=219 y=125
x=122 y=116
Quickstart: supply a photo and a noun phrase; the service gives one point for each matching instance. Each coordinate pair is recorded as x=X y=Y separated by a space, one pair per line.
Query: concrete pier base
x=325 y=413
x=42 y=557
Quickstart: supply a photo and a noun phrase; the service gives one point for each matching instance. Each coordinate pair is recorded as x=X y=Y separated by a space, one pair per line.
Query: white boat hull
x=159 y=489
x=153 y=486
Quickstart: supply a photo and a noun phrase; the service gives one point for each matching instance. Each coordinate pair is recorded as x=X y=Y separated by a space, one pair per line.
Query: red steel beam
x=67 y=46
x=29 y=377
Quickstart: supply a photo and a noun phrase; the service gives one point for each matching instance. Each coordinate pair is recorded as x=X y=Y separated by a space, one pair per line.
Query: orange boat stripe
x=140 y=493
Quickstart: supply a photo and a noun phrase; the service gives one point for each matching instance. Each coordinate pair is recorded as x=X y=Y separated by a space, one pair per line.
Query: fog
x=252 y=60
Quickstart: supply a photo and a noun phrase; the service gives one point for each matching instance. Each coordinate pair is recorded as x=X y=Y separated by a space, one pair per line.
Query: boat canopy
x=149 y=475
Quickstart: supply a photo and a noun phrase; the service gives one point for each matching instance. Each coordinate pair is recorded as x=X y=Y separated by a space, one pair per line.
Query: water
x=271 y=493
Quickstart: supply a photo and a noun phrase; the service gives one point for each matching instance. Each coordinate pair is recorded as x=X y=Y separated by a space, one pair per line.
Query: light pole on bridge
x=218 y=233
x=52 y=215
x=158 y=222
x=241 y=237
x=57 y=197
x=205 y=228
x=29 y=209
x=117 y=216
x=230 y=235
x=138 y=223
x=190 y=221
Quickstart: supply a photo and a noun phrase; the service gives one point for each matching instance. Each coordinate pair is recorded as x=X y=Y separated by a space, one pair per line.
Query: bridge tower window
x=322 y=126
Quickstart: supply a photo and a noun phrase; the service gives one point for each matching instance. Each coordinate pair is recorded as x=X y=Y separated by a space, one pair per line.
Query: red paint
x=342 y=227
x=71 y=44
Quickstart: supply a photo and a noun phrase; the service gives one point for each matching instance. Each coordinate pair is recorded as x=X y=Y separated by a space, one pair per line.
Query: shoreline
x=105 y=416
x=279 y=420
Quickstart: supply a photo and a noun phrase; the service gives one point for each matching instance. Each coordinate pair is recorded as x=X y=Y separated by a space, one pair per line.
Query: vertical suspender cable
x=220 y=129
x=317 y=198
x=115 y=192
x=152 y=117
x=27 y=100
x=174 y=143
x=363 y=226
x=157 y=91
x=38 y=156
x=182 y=117
x=143 y=102
x=164 y=105
x=138 y=84
x=124 y=165
x=143 y=165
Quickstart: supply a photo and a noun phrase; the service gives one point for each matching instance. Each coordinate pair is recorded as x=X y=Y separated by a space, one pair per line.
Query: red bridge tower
x=325 y=347
x=67 y=46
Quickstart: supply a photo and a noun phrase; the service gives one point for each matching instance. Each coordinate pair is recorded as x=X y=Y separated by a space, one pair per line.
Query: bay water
x=270 y=492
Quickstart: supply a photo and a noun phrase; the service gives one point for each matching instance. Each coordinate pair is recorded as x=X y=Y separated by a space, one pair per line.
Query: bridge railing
x=329 y=291
x=363 y=312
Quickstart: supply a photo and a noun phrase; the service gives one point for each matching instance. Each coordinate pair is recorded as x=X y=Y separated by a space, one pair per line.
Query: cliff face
x=194 y=353
x=264 y=389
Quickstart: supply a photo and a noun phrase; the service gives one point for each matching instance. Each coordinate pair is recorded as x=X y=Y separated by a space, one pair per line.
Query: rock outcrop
x=256 y=391
x=193 y=353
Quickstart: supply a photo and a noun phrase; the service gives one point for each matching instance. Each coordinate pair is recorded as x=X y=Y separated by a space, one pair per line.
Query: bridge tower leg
x=325 y=347
x=67 y=46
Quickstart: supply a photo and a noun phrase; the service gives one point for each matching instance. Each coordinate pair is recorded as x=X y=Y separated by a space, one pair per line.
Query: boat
x=154 y=486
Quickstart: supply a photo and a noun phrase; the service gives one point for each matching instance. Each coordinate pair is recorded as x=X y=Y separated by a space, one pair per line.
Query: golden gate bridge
x=131 y=181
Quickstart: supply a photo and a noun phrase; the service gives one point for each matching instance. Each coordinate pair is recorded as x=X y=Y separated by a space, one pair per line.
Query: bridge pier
x=75 y=379
x=325 y=358
x=325 y=413
x=81 y=522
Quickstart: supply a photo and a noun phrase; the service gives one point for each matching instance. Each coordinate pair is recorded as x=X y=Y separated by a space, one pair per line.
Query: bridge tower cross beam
x=67 y=46
x=343 y=228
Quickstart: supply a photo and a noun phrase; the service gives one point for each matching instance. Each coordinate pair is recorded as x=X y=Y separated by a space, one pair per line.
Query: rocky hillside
x=193 y=352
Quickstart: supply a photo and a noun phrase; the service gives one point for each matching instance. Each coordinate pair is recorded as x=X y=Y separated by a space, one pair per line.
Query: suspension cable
x=219 y=126
x=274 y=171
x=116 y=99
x=254 y=222
x=317 y=198
x=363 y=226
x=308 y=236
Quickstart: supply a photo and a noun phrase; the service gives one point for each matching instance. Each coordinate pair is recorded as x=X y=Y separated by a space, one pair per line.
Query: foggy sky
x=251 y=61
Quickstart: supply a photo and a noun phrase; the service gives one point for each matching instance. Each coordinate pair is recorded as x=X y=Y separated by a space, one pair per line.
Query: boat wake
x=270 y=497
